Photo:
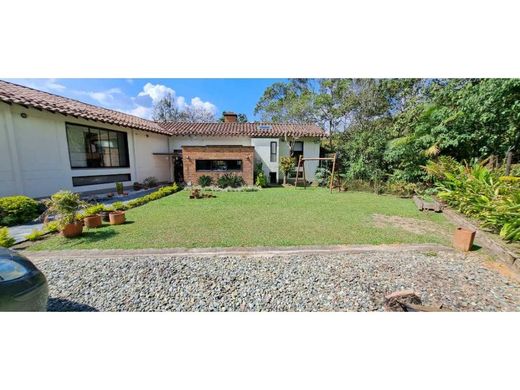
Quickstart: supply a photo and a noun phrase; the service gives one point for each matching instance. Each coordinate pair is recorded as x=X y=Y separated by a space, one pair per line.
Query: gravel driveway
x=325 y=282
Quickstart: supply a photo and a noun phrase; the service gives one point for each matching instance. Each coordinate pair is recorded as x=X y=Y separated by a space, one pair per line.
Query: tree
x=286 y=166
x=288 y=102
x=241 y=118
x=166 y=109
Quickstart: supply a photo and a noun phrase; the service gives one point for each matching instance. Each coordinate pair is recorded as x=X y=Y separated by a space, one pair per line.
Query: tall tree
x=166 y=109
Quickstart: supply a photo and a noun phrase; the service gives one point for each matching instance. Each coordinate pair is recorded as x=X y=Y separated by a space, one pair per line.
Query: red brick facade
x=190 y=154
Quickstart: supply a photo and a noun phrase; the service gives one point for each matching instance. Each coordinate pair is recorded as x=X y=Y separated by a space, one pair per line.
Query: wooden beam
x=332 y=173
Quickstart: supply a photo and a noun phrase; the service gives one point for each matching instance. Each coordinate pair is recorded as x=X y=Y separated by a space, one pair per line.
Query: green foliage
x=205 y=181
x=5 y=238
x=241 y=118
x=66 y=205
x=92 y=210
x=35 y=235
x=480 y=193
x=401 y=188
x=230 y=180
x=161 y=193
x=150 y=182
x=322 y=176
x=119 y=187
x=17 y=210
x=261 y=180
x=287 y=164
x=119 y=206
x=51 y=227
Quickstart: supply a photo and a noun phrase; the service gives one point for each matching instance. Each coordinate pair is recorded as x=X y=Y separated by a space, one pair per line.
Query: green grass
x=270 y=217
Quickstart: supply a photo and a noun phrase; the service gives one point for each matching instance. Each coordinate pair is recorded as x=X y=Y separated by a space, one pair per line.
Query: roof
x=28 y=97
x=13 y=93
x=243 y=129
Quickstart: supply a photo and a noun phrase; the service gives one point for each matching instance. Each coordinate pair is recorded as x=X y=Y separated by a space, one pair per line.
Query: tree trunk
x=509 y=158
x=285 y=179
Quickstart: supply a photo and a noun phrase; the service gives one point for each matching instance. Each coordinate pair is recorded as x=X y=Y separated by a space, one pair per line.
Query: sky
x=136 y=96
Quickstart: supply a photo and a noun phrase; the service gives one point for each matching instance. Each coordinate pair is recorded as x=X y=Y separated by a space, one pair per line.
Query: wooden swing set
x=301 y=163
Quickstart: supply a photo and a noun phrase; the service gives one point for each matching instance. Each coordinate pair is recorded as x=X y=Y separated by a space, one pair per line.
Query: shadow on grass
x=60 y=304
x=91 y=236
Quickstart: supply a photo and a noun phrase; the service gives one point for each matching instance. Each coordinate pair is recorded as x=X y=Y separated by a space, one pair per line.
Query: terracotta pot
x=105 y=215
x=117 y=217
x=72 y=230
x=463 y=239
x=92 y=221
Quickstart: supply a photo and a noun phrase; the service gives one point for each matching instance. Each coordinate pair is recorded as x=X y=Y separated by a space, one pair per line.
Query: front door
x=178 y=172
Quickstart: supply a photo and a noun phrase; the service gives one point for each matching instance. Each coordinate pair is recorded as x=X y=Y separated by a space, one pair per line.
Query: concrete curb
x=254 y=251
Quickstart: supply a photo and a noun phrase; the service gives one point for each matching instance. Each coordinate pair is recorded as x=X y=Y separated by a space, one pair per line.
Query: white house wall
x=35 y=160
x=263 y=154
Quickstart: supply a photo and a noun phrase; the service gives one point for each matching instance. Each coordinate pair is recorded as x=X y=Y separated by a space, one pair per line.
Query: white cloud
x=140 y=111
x=104 y=97
x=156 y=92
x=53 y=85
x=197 y=102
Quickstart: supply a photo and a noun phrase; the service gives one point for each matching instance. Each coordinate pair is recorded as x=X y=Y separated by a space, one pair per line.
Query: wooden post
x=297 y=172
x=303 y=170
x=332 y=173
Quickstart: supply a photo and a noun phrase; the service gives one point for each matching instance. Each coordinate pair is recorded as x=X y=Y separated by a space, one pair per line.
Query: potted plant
x=92 y=216
x=117 y=215
x=119 y=188
x=66 y=206
x=137 y=186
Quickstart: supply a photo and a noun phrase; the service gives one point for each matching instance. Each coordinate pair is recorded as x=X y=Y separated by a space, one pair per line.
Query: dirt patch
x=503 y=269
x=411 y=225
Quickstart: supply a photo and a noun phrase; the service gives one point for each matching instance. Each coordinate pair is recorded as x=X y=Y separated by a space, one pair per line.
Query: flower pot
x=117 y=217
x=92 y=221
x=105 y=215
x=72 y=230
x=463 y=239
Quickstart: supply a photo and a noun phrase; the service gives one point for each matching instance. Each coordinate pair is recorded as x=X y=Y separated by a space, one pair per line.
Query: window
x=78 y=181
x=218 y=165
x=90 y=147
x=273 y=151
x=298 y=146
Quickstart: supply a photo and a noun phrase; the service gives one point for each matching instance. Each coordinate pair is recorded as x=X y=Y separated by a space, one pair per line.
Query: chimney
x=230 y=117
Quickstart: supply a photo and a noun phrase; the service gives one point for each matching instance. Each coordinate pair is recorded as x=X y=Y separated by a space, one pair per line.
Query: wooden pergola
x=301 y=163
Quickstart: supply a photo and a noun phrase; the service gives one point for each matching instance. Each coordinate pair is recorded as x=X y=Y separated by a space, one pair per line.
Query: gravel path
x=333 y=282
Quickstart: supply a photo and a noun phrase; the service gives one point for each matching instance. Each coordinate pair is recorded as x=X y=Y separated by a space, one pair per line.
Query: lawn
x=270 y=217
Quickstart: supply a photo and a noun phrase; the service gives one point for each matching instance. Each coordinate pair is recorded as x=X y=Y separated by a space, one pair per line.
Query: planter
x=463 y=239
x=72 y=230
x=117 y=217
x=105 y=215
x=92 y=221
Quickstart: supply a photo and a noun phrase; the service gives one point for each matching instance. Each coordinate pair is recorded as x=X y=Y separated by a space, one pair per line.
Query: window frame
x=273 y=156
x=128 y=175
x=219 y=170
x=97 y=130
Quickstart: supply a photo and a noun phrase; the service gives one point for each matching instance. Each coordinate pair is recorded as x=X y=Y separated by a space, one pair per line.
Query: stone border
x=252 y=251
x=485 y=239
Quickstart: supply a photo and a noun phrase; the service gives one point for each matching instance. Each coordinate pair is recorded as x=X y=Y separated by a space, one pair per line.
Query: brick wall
x=230 y=152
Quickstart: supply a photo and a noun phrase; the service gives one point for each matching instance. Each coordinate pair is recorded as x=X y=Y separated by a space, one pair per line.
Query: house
x=49 y=143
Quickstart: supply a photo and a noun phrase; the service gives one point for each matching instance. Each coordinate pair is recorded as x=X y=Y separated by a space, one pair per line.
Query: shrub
x=66 y=205
x=205 y=181
x=230 y=180
x=92 y=210
x=5 y=238
x=287 y=165
x=479 y=193
x=119 y=206
x=119 y=188
x=150 y=182
x=401 y=188
x=35 y=235
x=18 y=209
x=322 y=176
x=51 y=227
x=261 y=180
x=161 y=193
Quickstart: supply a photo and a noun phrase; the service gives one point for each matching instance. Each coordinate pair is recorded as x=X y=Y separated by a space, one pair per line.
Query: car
x=23 y=287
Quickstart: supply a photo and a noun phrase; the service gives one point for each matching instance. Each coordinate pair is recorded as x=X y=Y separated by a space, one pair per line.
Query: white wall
x=311 y=148
x=263 y=154
x=179 y=142
x=35 y=160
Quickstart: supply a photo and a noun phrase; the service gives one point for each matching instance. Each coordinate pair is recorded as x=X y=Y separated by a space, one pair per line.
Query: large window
x=78 y=181
x=273 y=151
x=218 y=165
x=90 y=147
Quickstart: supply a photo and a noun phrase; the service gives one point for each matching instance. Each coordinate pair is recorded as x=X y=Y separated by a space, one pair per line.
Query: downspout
x=135 y=156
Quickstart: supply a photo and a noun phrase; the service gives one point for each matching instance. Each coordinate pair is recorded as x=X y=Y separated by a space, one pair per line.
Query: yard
x=270 y=217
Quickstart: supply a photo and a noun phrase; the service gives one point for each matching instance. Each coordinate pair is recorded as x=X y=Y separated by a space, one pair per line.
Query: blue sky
x=136 y=96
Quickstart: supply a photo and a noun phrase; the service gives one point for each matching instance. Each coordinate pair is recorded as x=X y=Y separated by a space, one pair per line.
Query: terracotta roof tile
x=243 y=129
x=25 y=96
x=29 y=97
